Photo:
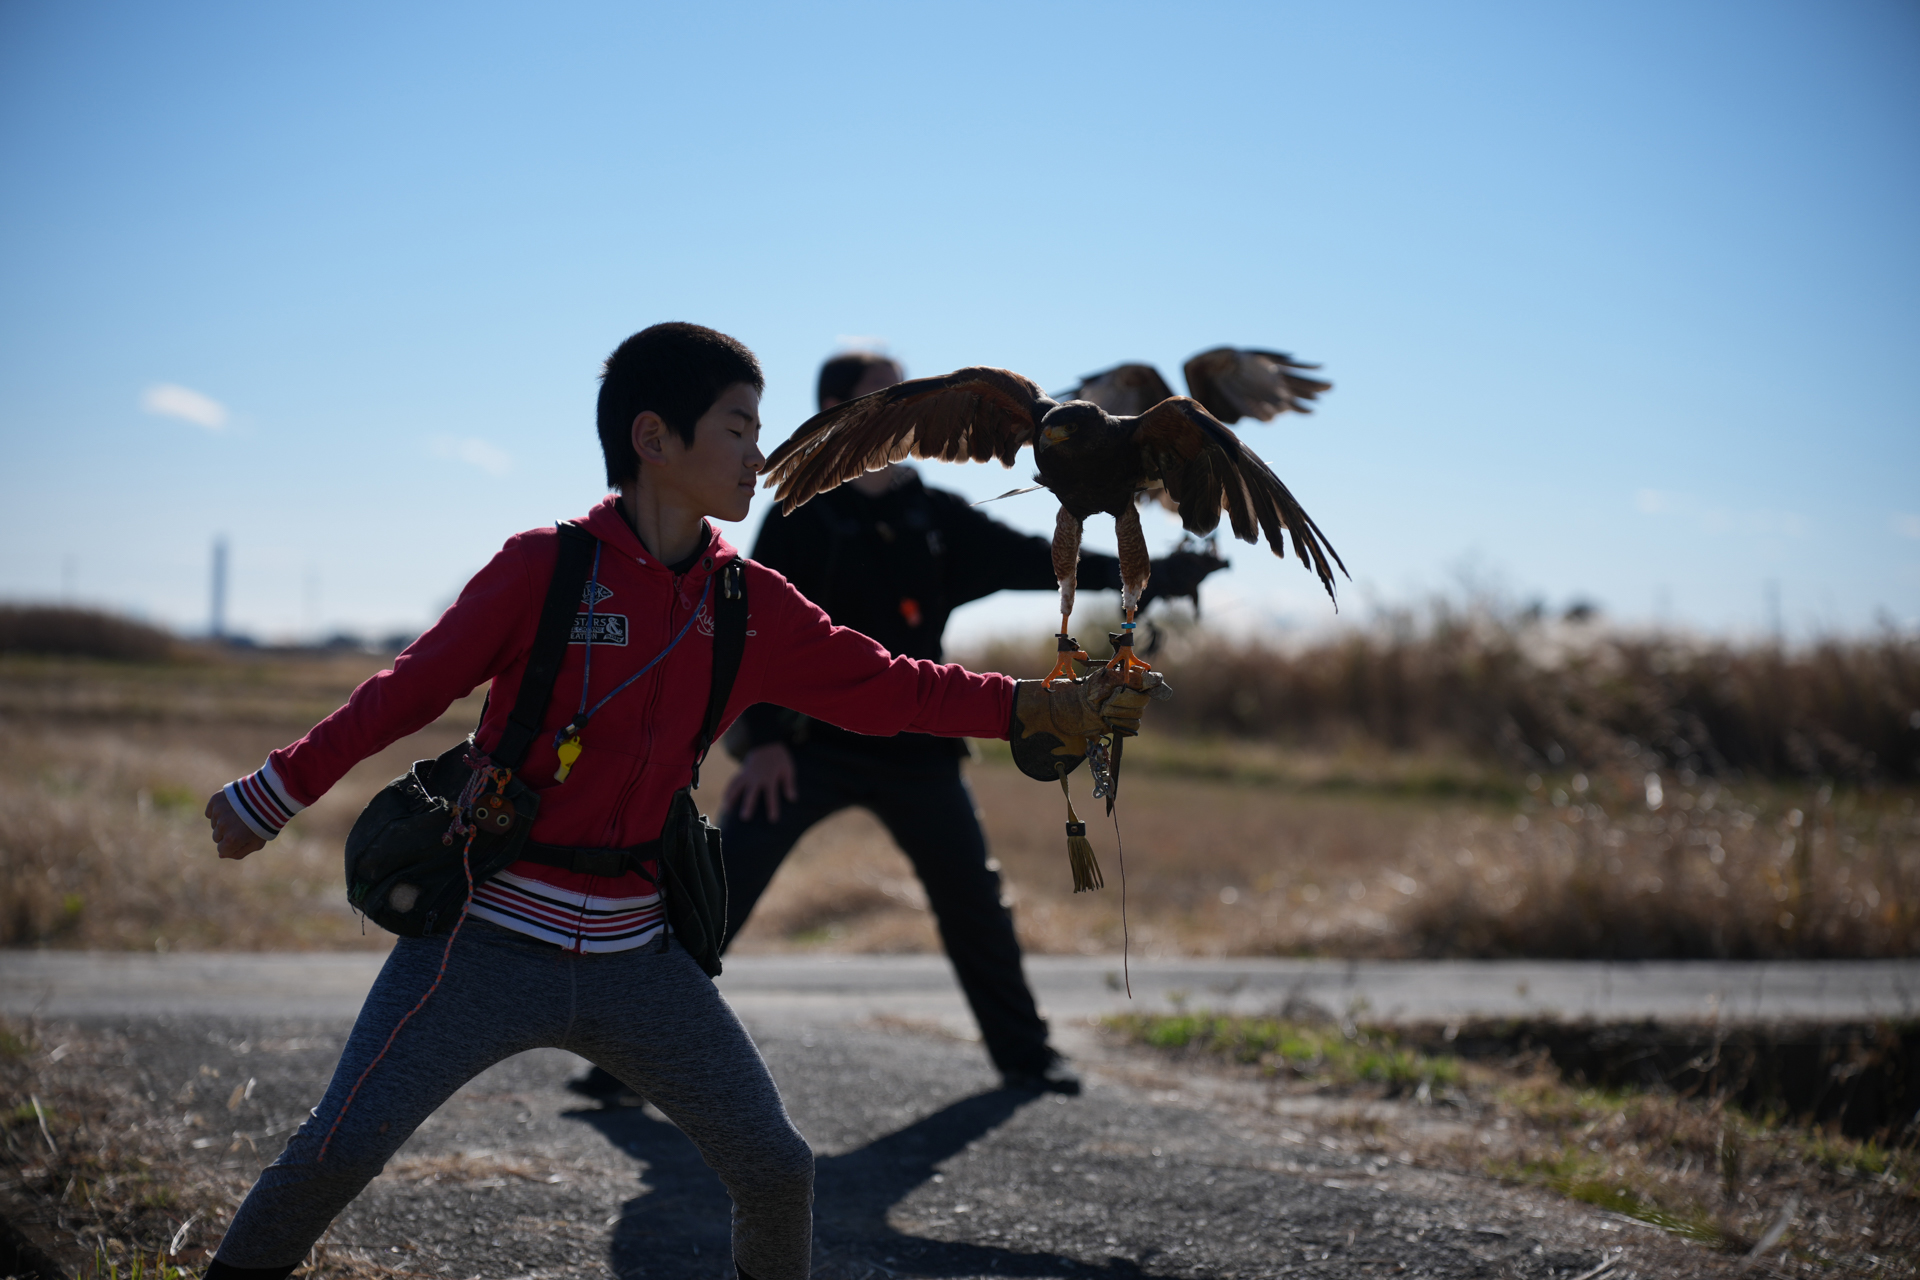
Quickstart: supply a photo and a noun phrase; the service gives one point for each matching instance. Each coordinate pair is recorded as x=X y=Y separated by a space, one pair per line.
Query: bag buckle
x=600 y=862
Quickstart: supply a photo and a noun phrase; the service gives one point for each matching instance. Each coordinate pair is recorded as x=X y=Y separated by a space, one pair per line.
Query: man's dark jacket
x=894 y=567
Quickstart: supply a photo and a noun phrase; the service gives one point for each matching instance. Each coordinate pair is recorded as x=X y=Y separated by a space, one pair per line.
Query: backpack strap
x=550 y=642
x=729 y=643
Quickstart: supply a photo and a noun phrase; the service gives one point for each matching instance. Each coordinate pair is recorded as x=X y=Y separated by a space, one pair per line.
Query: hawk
x=1231 y=383
x=1094 y=460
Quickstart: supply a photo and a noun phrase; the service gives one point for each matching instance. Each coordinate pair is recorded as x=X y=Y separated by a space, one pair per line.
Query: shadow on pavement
x=679 y=1225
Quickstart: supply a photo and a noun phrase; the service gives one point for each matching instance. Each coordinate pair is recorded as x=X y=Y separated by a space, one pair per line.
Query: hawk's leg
x=1136 y=566
x=1066 y=568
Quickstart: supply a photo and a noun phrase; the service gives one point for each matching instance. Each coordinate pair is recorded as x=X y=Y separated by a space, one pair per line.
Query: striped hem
x=566 y=939
x=262 y=802
x=569 y=918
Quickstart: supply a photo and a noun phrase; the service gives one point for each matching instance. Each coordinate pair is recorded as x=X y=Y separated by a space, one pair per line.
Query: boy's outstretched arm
x=846 y=679
x=487 y=627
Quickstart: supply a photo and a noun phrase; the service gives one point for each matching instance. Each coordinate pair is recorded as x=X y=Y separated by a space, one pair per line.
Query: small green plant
x=1579 y=1176
x=1550 y=1102
x=1866 y=1159
x=138 y=1265
x=25 y=1114
x=14 y=1043
x=1329 y=1054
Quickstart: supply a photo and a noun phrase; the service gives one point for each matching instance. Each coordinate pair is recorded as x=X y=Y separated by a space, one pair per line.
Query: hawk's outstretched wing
x=1124 y=390
x=967 y=415
x=1207 y=470
x=1236 y=382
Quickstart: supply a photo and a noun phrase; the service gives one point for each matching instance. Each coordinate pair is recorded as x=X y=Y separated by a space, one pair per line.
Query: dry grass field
x=1330 y=845
x=1433 y=833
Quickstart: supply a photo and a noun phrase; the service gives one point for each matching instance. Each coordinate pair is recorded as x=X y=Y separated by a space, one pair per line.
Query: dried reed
x=81 y=633
x=1319 y=838
x=1534 y=694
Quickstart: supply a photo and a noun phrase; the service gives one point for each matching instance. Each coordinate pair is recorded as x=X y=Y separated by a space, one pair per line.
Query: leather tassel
x=1086 y=868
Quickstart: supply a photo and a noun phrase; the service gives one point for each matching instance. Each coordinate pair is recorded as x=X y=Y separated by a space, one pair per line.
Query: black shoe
x=218 y=1270
x=1057 y=1076
x=605 y=1088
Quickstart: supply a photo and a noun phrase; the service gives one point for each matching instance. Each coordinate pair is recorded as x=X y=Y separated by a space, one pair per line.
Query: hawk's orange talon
x=1124 y=662
x=1070 y=652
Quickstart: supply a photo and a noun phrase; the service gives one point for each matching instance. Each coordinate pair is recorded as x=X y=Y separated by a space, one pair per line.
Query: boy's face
x=717 y=472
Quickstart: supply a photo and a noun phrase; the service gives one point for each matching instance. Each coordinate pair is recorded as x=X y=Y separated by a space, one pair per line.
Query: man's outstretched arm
x=985 y=556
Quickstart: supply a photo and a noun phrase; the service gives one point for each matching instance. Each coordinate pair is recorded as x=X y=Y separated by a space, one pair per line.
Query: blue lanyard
x=586 y=678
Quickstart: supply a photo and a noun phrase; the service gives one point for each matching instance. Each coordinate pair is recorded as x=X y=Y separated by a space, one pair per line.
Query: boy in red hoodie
x=556 y=957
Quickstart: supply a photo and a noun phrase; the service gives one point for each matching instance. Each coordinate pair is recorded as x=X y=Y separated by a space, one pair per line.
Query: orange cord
x=1126 y=941
x=466 y=865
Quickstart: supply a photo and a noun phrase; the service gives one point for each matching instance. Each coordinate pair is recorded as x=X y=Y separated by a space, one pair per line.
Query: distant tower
x=218 y=626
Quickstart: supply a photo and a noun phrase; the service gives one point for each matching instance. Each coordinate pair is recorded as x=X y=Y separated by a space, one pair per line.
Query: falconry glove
x=1051 y=724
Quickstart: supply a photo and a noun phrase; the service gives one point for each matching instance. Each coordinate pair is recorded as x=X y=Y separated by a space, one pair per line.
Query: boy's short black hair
x=675 y=369
x=840 y=375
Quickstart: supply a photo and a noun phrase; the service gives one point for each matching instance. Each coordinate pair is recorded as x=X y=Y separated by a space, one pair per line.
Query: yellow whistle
x=568 y=751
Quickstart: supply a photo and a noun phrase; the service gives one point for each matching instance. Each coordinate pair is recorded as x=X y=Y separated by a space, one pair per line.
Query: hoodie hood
x=606 y=523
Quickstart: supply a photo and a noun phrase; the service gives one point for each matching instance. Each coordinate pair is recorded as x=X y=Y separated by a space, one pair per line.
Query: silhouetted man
x=891 y=558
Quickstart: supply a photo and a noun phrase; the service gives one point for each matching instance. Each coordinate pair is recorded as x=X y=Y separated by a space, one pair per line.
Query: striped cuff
x=262 y=802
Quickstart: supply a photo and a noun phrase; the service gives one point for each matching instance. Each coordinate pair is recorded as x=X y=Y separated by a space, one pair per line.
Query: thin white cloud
x=169 y=400
x=489 y=458
x=1907 y=525
x=1713 y=519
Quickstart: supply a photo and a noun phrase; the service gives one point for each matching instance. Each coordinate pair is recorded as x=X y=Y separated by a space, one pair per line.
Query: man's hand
x=234 y=838
x=766 y=773
x=1180 y=573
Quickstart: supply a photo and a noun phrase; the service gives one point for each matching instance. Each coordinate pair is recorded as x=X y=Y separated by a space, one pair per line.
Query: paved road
x=1073 y=988
x=926 y=1169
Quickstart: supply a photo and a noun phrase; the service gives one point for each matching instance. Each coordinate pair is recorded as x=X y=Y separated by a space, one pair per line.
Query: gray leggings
x=648 y=1015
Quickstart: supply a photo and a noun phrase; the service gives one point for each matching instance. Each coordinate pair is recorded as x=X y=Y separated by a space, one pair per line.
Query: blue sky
x=1621 y=302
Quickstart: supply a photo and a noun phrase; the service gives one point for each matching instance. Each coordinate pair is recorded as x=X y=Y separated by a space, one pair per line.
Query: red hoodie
x=639 y=749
